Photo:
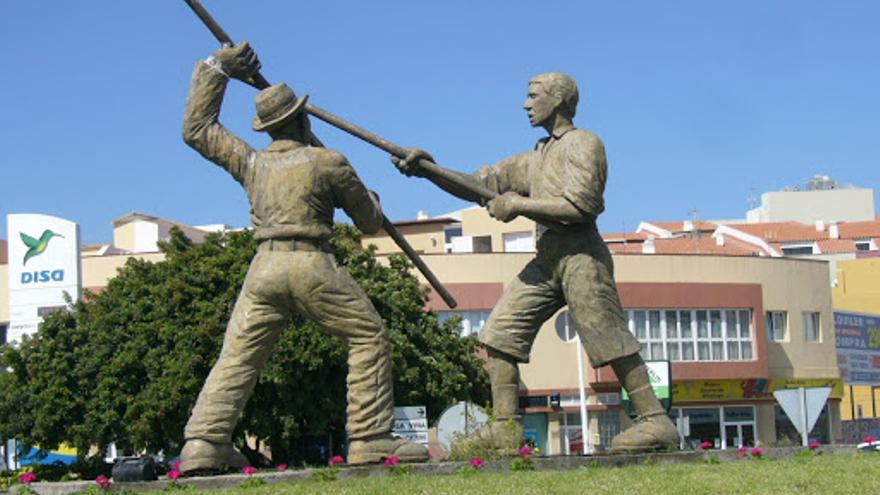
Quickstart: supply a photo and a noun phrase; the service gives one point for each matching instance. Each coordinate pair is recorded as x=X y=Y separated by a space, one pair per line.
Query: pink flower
x=173 y=474
x=336 y=459
x=707 y=445
x=477 y=462
x=392 y=461
x=282 y=467
x=103 y=482
x=176 y=465
x=27 y=478
x=525 y=451
x=813 y=445
x=249 y=470
x=756 y=451
x=869 y=439
x=742 y=450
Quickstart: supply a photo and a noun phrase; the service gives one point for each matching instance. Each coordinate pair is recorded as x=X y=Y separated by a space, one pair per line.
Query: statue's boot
x=652 y=428
x=204 y=457
x=504 y=434
x=377 y=448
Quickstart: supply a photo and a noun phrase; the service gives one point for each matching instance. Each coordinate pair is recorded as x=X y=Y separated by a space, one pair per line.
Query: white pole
x=585 y=424
x=802 y=393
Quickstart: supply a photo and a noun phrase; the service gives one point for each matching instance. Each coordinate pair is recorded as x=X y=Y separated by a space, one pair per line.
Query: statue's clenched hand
x=409 y=165
x=238 y=62
x=505 y=207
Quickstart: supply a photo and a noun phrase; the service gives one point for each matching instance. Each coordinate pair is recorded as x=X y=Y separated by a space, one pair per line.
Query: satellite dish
x=459 y=421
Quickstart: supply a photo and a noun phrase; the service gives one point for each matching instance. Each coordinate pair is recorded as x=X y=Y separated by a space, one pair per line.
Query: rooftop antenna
x=752 y=199
x=695 y=231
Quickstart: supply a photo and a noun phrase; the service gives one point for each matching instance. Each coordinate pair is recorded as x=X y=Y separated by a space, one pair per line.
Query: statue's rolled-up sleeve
x=202 y=130
x=586 y=173
x=510 y=174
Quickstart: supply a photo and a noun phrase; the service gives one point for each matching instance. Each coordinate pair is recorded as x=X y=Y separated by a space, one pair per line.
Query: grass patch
x=824 y=474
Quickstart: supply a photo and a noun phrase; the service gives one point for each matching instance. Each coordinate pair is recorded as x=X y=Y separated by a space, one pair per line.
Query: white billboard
x=44 y=265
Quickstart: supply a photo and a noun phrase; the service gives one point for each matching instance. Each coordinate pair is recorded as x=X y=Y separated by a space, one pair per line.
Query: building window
x=863 y=245
x=471 y=321
x=811 y=327
x=609 y=427
x=519 y=242
x=798 y=249
x=776 y=325
x=449 y=234
x=693 y=335
x=2 y=334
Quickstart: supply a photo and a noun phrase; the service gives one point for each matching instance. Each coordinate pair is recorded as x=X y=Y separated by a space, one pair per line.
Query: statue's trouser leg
x=329 y=296
x=633 y=375
x=528 y=301
x=252 y=332
x=588 y=283
x=312 y=284
x=504 y=377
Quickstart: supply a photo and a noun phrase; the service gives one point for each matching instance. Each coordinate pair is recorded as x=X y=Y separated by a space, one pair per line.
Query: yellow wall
x=858 y=290
x=96 y=271
x=859 y=395
x=858 y=286
x=424 y=238
x=476 y=221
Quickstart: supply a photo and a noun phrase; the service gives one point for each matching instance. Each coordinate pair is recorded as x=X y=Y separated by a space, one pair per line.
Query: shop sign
x=44 y=269
x=411 y=423
x=858 y=347
x=751 y=389
x=660 y=375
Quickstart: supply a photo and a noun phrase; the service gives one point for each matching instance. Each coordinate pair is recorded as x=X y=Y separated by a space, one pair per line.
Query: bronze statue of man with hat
x=559 y=184
x=293 y=189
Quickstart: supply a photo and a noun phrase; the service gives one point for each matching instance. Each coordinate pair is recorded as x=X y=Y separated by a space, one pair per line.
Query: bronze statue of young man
x=293 y=189
x=559 y=184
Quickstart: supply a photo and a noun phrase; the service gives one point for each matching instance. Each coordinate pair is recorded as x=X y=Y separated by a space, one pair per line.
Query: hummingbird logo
x=36 y=246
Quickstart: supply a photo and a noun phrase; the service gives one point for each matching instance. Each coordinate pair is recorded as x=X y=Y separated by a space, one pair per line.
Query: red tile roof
x=832 y=246
x=859 y=230
x=619 y=247
x=692 y=245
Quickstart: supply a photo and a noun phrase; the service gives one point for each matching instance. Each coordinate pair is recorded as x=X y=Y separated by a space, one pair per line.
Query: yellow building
x=857 y=291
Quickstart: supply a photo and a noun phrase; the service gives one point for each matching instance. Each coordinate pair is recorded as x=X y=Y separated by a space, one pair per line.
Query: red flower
x=813 y=445
x=249 y=470
x=336 y=459
x=282 y=467
x=103 y=482
x=392 y=461
x=27 y=478
x=525 y=451
x=176 y=465
x=742 y=450
x=869 y=439
x=706 y=445
x=477 y=462
x=173 y=474
x=756 y=451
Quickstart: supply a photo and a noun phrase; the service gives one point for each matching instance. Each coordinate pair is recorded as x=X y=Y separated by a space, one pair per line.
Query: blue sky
x=700 y=104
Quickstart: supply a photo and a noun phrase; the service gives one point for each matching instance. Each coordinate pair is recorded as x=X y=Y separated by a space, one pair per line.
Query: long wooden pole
x=260 y=82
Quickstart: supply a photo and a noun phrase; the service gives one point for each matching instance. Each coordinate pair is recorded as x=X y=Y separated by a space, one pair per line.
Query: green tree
x=126 y=364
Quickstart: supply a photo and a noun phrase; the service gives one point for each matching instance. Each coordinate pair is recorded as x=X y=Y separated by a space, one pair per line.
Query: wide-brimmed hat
x=275 y=105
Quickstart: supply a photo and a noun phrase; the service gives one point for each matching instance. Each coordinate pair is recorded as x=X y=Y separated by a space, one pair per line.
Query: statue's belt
x=295 y=244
